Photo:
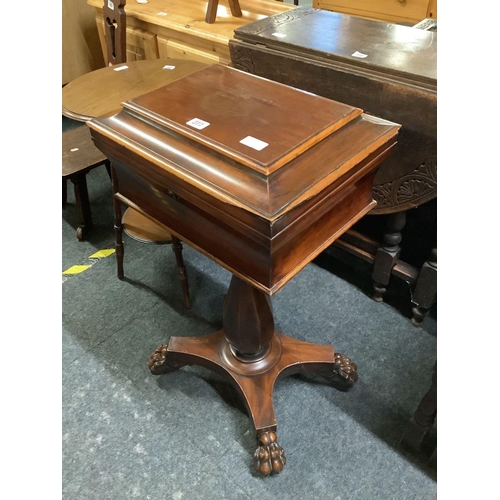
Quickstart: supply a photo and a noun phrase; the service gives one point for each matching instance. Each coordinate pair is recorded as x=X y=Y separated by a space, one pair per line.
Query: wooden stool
x=79 y=157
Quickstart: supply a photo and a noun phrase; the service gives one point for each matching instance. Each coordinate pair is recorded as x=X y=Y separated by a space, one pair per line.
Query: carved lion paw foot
x=269 y=456
x=158 y=363
x=344 y=373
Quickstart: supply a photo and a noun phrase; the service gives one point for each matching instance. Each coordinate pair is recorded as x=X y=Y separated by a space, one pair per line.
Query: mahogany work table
x=260 y=177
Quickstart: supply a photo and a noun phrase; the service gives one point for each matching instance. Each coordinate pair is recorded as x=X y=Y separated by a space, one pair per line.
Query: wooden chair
x=80 y=154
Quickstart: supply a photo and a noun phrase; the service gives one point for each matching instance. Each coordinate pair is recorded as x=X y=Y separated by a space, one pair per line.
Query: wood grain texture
x=80 y=156
x=432 y=9
x=115 y=27
x=184 y=23
x=366 y=45
x=253 y=107
x=384 y=10
x=143 y=229
x=263 y=227
x=103 y=91
x=81 y=49
x=396 y=81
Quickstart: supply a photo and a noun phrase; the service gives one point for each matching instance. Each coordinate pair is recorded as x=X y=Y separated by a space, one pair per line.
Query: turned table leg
x=117 y=208
x=252 y=356
x=387 y=254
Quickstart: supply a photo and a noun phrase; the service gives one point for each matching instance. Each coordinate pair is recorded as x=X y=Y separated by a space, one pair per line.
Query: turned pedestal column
x=252 y=356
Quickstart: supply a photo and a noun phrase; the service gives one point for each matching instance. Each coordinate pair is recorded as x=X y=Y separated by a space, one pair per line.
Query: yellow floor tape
x=102 y=253
x=80 y=268
x=77 y=269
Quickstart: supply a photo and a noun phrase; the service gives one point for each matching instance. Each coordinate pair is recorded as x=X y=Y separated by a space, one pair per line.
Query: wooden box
x=385 y=69
x=257 y=175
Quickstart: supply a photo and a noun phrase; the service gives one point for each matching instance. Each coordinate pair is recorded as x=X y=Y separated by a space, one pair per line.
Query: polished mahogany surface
x=215 y=108
x=263 y=226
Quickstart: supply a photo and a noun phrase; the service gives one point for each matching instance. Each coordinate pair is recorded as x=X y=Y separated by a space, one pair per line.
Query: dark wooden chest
x=257 y=175
x=385 y=69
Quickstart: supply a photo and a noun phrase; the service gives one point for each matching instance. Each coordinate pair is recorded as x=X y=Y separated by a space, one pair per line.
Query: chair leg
x=211 y=13
x=83 y=205
x=234 y=6
x=177 y=248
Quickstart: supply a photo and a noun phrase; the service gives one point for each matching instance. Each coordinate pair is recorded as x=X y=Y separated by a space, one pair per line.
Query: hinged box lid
x=258 y=123
x=178 y=157
x=311 y=141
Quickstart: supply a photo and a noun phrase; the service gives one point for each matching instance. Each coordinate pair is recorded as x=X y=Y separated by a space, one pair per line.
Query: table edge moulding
x=264 y=214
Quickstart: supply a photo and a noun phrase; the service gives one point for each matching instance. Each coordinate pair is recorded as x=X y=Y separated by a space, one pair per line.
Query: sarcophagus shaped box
x=257 y=175
x=389 y=71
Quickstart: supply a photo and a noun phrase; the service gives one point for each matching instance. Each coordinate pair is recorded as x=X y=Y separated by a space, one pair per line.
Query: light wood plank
x=81 y=51
x=182 y=23
x=388 y=10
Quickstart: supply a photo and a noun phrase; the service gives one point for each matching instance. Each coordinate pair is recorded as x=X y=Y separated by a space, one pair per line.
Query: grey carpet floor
x=185 y=435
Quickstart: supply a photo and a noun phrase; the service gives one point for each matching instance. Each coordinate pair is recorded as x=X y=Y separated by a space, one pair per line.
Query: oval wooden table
x=102 y=92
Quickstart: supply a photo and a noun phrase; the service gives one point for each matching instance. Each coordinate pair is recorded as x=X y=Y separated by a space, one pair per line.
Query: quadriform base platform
x=261 y=178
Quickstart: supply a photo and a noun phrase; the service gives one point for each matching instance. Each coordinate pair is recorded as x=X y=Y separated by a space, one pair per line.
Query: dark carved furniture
x=387 y=70
x=232 y=167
